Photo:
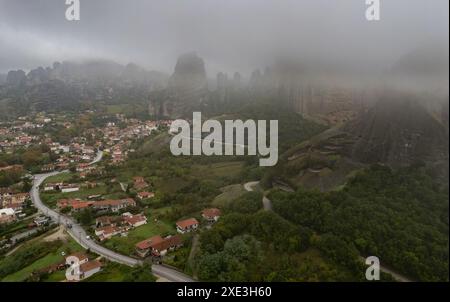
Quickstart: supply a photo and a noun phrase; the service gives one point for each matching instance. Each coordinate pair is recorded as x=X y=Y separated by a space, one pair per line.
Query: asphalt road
x=267 y=204
x=79 y=234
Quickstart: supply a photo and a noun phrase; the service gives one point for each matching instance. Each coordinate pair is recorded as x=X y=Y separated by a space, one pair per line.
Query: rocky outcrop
x=189 y=74
x=16 y=78
x=186 y=92
x=399 y=131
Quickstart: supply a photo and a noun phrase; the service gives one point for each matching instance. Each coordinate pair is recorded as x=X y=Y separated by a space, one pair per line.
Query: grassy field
x=125 y=245
x=230 y=193
x=59 y=178
x=115 y=272
x=221 y=169
x=51 y=198
x=15 y=227
x=68 y=247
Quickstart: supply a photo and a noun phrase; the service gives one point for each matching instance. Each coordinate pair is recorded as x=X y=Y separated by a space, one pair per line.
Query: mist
x=332 y=39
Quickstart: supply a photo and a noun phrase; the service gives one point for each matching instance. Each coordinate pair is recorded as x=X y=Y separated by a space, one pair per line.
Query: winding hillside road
x=268 y=207
x=267 y=204
x=80 y=236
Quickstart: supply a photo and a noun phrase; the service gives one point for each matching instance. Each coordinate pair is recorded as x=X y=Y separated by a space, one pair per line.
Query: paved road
x=79 y=234
x=267 y=204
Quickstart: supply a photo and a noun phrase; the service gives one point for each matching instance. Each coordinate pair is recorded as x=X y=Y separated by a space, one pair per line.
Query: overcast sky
x=231 y=35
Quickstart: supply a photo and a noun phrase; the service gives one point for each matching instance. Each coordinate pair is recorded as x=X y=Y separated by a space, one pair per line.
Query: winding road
x=267 y=204
x=268 y=207
x=80 y=236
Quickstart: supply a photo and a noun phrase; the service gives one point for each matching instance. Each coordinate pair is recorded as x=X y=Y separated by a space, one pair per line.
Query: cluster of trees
x=245 y=229
x=400 y=216
x=31 y=158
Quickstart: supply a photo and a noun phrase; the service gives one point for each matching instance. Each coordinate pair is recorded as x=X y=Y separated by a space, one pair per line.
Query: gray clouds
x=230 y=35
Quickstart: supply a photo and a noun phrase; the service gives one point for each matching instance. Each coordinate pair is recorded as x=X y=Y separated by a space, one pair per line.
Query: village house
x=187 y=225
x=69 y=188
x=17 y=209
x=211 y=215
x=14 y=201
x=81 y=205
x=108 y=221
x=82 y=167
x=5 y=193
x=73 y=204
x=135 y=220
x=52 y=186
x=7 y=216
x=62 y=166
x=64 y=203
x=89 y=184
x=107 y=232
x=19 y=198
x=114 y=205
x=145 y=195
x=139 y=183
x=48 y=168
x=158 y=246
x=80 y=267
x=41 y=220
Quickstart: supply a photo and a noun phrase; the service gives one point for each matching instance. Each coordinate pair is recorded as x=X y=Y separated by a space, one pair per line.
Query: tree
x=86 y=217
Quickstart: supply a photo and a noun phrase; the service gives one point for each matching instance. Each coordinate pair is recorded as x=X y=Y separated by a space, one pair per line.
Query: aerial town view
x=224 y=141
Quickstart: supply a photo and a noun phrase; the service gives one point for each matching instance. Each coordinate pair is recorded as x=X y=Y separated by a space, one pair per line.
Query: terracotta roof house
x=108 y=220
x=139 y=183
x=80 y=267
x=170 y=243
x=114 y=205
x=107 y=232
x=187 y=225
x=135 y=220
x=143 y=247
x=211 y=215
x=158 y=246
x=145 y=195
x=81 y=205
x=64 y=203
x=89 y=268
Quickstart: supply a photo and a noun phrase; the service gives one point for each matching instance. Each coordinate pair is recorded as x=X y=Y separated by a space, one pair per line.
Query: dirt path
x=60 y=234
x=194 y=248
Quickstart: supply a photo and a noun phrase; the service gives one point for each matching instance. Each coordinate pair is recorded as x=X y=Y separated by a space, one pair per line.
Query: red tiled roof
x=211 y=213
x=90 y=265
x=138 y=179
x=112 y=203
x=109 y=219
x=146 y=244
x=146 y=194
x=81 y=205
x=166 y=243
x=187 y=223
x=135 y=219
x=108 y=229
